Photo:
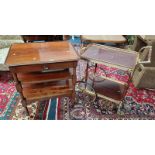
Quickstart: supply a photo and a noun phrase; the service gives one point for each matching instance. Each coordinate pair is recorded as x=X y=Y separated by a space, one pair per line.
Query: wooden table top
x=39 y=53
x=104 y=38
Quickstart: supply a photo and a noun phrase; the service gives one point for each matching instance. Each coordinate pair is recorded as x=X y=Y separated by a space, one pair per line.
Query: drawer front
x=42 y=67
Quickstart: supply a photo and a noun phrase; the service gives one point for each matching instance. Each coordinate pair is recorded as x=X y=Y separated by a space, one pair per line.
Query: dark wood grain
x=40 y=53
x=109 y=89
x=39 y=77
x=47 y=90
x=43 y=70
x=41 y=67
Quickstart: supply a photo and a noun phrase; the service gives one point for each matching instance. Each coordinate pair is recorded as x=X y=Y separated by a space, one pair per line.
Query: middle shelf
x=39 y=77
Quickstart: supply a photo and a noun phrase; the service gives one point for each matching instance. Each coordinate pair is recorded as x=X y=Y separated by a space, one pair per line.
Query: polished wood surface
x=41 y=67
x=38 y=53
x=47 y=90
x=110 y=89
x=43 y=70
x=39 y=77
x=104 y=38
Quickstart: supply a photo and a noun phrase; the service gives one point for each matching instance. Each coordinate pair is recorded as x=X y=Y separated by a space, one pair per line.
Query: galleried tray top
x=110 y=55
x=39 y=53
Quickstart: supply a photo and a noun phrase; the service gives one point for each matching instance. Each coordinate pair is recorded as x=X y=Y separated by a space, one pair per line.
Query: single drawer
x=42 y=67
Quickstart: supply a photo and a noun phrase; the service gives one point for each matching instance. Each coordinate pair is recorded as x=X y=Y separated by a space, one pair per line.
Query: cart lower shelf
x=106 y=89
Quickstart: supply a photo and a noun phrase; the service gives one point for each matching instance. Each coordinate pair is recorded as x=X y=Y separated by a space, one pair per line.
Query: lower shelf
x=109 y=90
x=47 y=90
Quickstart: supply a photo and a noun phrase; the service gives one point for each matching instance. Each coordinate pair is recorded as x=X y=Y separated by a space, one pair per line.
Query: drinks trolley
x=102 y=86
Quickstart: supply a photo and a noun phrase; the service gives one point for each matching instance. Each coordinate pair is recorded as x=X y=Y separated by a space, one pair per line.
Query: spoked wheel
x=85 y=92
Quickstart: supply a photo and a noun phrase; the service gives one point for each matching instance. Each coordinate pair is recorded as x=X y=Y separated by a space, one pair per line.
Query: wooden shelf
x=109 y=90
x=47 y=90
x=39 y=77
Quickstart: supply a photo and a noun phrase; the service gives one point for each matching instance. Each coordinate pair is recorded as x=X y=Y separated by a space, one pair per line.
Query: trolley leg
x=94 y=74
x=86 y=74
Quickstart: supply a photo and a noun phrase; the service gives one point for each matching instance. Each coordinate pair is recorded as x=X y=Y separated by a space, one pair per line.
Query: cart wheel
x=85 y=92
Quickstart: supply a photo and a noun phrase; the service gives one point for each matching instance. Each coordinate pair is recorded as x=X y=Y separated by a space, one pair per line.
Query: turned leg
x=24 y=103
x=86 y=74
x=19 y=89
x=95 y=69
